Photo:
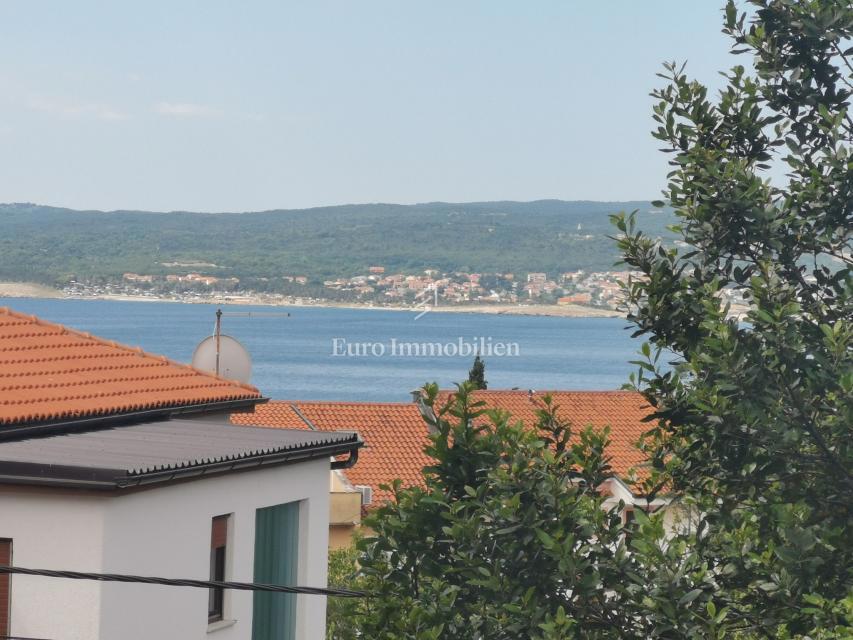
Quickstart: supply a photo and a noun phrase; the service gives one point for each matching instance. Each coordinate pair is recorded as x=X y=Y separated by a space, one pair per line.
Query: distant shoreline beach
x=32 y=290
x=27 y=290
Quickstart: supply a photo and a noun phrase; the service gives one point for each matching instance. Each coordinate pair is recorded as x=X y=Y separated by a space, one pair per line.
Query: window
x=5 y=589
x=218 y=555
x=276 y=562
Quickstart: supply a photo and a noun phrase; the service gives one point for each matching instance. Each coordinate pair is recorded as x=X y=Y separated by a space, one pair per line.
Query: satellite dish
x=228 y=358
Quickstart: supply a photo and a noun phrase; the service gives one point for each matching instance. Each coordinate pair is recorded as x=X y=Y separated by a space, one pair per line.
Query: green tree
x=342 y=614
x=477 y=373
x=754 y=415
x=510 y=538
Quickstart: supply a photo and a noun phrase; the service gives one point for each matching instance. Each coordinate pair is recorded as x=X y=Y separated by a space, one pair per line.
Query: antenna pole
x=217 y=333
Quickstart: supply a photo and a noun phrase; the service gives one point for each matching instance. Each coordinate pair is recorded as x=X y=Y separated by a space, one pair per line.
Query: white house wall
x=159 y=531
x=53 y=530
x=165 y=531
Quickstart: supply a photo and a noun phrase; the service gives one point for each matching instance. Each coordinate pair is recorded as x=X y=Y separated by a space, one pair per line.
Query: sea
x=325 y=353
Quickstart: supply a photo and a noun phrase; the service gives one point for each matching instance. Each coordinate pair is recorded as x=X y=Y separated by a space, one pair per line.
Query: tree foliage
x=511 y=538
x=755 y=415
x=477 y=373
x=342 y=614
x=49 y=245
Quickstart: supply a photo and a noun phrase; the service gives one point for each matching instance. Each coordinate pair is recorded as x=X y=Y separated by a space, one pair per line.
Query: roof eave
x=254 y=462
x=15 y=473
x=18 y=431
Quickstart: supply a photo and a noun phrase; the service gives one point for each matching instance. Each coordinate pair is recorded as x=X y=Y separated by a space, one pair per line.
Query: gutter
x=56 y=483
x=22 y=432
x=348 y=463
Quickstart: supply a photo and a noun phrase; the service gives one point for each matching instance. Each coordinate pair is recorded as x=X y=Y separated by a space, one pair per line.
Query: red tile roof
x=395 y=434
x=275 y=413
x=49 y=373
x=622 y=411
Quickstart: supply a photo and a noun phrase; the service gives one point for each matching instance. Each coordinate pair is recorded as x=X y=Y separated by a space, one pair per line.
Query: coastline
x=31 y=290
x=27 y=290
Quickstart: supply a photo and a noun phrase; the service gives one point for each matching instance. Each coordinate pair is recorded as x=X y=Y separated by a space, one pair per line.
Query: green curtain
x=276 y=562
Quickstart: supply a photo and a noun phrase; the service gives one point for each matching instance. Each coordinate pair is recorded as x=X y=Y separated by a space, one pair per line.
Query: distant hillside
x=50 y=245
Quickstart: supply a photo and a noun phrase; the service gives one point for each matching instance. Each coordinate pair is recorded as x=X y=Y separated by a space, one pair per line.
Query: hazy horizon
x=329 y=206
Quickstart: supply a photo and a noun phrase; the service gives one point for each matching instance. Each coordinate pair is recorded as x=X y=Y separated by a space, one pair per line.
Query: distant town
x=576 y=292
x=595 y=289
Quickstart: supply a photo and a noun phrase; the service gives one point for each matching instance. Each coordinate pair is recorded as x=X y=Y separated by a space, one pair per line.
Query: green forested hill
x=51 y=245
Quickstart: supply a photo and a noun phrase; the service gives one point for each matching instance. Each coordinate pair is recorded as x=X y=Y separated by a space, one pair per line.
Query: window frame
x=6 y=605
x=218 y=565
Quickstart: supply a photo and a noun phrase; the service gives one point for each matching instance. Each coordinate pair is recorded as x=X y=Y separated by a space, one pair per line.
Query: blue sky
x=227 y=106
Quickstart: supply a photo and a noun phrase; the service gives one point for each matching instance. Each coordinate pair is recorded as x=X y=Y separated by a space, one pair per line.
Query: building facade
x=116 y=461
x=165 y=532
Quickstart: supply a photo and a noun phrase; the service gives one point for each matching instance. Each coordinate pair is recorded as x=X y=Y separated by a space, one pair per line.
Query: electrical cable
x=178 y=582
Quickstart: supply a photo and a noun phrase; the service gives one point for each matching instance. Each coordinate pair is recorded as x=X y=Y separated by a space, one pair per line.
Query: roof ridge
x=118 y=345
x=302 y=417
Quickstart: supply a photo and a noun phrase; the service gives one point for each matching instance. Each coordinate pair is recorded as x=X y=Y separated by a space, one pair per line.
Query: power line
x=182 y=582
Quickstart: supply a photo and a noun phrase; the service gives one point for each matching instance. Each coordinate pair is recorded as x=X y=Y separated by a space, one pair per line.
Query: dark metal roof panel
x=154 y=447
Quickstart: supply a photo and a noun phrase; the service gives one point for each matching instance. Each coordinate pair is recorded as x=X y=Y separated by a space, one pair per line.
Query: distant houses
x=377 y=286
x=578 y=298
x=135 y=277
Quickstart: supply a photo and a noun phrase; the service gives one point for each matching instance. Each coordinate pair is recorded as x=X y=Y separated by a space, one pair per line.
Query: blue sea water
x=293 y=357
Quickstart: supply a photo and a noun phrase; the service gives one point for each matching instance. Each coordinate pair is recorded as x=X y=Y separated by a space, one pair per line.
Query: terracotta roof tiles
x=395 y=434
x=622 y=411
x=275 y=413
x=50 y=373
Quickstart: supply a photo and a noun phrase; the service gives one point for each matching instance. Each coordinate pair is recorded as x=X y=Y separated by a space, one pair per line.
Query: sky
x=243 y=106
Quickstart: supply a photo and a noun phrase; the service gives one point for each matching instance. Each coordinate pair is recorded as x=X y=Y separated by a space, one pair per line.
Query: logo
x=427 y=300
